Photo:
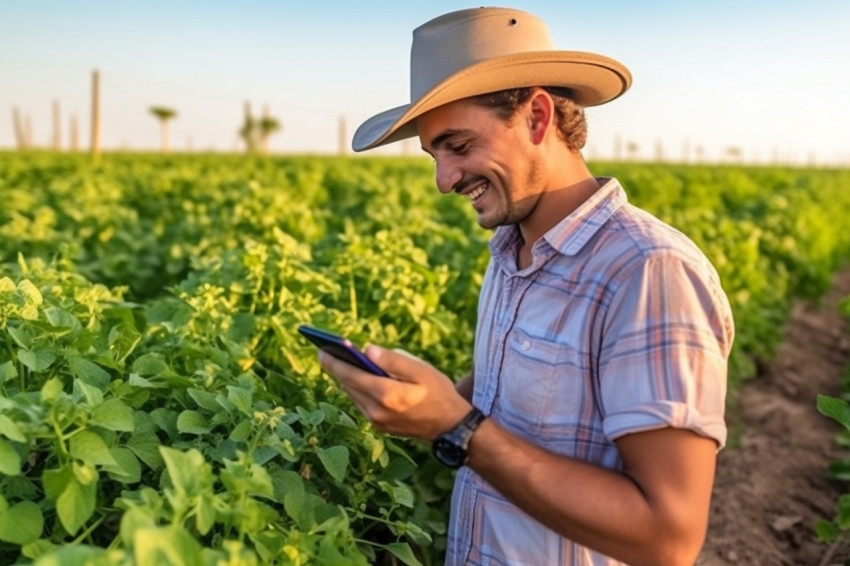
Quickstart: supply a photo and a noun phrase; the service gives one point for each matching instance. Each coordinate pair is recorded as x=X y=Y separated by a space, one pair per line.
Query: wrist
x=451 y=448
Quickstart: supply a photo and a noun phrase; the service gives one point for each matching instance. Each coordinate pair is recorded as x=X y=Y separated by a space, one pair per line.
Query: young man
x=588 y=428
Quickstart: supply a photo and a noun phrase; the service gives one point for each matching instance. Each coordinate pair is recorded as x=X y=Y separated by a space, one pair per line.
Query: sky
x=770 y=78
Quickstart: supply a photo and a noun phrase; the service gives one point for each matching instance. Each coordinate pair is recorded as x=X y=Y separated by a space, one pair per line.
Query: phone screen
x=341 y=348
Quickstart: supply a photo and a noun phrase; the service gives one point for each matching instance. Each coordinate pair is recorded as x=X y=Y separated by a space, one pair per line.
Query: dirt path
x=770 y=491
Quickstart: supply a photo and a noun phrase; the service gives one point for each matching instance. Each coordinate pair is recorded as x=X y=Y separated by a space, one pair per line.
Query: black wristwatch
x=451 y=447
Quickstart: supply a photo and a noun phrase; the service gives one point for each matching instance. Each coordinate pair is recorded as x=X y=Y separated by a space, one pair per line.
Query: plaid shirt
x=619 y=325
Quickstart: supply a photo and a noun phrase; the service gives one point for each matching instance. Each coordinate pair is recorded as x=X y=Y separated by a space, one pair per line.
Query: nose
x=448 y=174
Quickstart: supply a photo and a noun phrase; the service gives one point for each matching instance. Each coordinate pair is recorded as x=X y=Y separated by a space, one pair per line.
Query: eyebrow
x=439 y=140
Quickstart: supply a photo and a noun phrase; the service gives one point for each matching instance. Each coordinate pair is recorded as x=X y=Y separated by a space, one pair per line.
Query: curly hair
x=569 y=116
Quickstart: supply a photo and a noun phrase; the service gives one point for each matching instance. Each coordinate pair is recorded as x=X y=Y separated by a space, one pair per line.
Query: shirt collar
x=571 y=234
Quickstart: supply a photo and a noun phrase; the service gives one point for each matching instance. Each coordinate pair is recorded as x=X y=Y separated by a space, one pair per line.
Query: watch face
x=449 y=453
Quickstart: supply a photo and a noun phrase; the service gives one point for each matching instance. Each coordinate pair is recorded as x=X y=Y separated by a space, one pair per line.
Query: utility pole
x=74 y=134
x=20 y=139
x=95 y=115
x=57 y=133
x=342 y=136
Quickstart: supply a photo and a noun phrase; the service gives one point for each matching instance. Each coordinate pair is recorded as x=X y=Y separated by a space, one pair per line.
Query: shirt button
x=526 y=345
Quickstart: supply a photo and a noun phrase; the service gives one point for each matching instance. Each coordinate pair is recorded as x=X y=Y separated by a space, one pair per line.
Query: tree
x=164 y=115
x=267 y=126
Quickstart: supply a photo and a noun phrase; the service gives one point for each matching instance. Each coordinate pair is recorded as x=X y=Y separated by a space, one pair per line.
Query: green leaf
x=150 y=365
x=205 y=514
x=403 y=552
x=92 y=395
x=38 y=548
x=335 y=461
x=21 y=336
x=38 y=360
x=835 y=408
x=52 y=389
x=11 y=430
x=192 y=422
x=167 y=545
x=21 y=523
x=126 y=468
x=241 y=398
x=55 y=481
x=146 y=447
x=63 y=320
x=188 y=470
x=113 y=414
x=242 y=431
x=10 y=461
x=133 y=519
x=8 y=372
x=76 y=505
x=89 y=372
x=123 y=339
x=90 y=447
x=204 y=399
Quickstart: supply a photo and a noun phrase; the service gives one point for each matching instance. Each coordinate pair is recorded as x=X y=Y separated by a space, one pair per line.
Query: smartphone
x=341 y=348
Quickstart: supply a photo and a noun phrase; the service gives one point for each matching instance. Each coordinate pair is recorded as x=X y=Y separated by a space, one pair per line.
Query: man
x=587 y=430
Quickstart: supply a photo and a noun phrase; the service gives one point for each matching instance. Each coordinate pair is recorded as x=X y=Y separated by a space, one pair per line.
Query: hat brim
x=593 y=79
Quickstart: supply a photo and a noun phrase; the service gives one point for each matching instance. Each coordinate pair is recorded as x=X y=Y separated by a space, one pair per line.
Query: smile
x=476 y=193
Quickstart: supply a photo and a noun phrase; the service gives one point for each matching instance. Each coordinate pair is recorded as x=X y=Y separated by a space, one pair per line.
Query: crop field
x=157 y=404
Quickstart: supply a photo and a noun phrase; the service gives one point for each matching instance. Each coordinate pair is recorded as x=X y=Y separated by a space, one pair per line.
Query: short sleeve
x=665 y=345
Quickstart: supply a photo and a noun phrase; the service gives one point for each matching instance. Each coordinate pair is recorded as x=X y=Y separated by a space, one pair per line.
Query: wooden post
x=27 y=132
x=74 y=142
x=342 y=136
x=57 y=129
x=20 y=140
x=95 y=115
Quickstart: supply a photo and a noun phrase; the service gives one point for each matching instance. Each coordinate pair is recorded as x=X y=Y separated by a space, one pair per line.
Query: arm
x=655 y=511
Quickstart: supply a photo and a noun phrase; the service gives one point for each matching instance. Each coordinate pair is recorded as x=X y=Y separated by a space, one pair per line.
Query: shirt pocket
x=541 y=382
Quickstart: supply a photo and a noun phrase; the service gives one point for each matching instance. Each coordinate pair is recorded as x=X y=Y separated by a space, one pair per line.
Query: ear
x=541 y=115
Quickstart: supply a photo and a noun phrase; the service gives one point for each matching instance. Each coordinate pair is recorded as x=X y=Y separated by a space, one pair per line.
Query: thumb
x=400 y=364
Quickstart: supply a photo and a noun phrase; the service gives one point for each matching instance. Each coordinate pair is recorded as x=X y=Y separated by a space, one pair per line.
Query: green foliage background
x=157 y=405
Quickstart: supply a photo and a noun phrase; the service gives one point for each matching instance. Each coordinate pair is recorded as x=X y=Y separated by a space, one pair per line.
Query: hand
x=418 y=400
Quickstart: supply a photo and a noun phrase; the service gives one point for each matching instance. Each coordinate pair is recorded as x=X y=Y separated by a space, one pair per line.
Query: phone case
x=341 y=348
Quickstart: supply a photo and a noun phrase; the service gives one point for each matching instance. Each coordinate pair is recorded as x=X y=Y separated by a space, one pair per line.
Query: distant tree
x=734 y=154
x=164 y=114
x=248 y=132
x=632 y=149
x=266 y=127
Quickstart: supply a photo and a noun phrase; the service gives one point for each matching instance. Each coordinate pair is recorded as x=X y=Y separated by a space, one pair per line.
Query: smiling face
x=494 y=163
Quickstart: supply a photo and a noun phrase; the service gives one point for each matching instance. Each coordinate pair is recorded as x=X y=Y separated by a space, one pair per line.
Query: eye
x=459 y=148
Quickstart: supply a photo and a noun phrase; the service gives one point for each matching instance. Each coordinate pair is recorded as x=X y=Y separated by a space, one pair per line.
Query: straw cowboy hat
x=482 y=50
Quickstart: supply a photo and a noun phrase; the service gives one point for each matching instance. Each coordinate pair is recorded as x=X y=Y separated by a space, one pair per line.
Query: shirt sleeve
x=665 y=345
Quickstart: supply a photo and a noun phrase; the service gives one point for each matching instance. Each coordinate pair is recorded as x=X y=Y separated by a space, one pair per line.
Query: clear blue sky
x=769 y=77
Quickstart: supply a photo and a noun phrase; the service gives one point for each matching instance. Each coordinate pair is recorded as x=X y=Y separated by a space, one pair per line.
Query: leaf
x=93 y=395
x=89 y=372
x=835 y=408
x=150 y=365
x=335 y=461
x=21 y=523
x=403 y=552
x=188 y=470
x=55 y=481
x=8 y=372
x=114 y=414
x=63 y=320
x=241 y=432
x=192 y=422
x=126 y=468
x=205 y=514
x=241 y=398
x=204 y=399
x=76 y=505
x=11 y=430
x=10 y=461
x=146 y=447
x=90 y=447
x=167 y=545
x=123 y=339
x=52 y=389
x=38 y=360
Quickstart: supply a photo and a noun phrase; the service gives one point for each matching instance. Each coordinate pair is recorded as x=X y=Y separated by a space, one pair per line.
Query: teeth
x=474 y=194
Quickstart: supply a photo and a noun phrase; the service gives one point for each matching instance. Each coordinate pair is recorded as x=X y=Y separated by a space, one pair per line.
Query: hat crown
x=451 y=42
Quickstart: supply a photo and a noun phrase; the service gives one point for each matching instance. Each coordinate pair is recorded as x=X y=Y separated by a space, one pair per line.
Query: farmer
x=587 y=430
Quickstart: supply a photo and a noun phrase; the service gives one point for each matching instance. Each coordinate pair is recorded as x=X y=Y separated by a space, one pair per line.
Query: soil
x=773 y=486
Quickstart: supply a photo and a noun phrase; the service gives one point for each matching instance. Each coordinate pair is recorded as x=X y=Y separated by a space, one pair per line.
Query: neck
x=570 y=184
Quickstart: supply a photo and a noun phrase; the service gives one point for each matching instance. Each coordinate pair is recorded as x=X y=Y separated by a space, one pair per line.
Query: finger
x=352 y=378
x=399 y=364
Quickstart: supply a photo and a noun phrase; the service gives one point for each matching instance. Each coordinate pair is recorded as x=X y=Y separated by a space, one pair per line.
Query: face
x=490 y=161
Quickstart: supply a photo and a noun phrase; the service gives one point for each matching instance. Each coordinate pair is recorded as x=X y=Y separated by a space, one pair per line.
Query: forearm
x=603 y=509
